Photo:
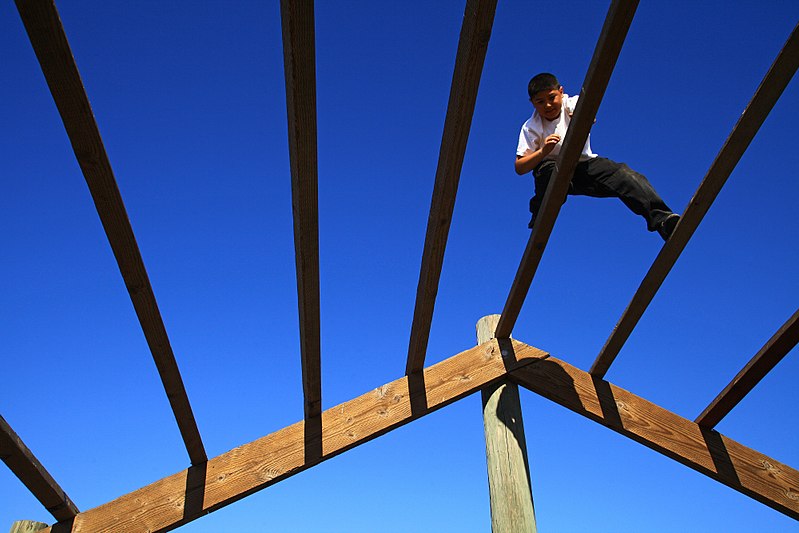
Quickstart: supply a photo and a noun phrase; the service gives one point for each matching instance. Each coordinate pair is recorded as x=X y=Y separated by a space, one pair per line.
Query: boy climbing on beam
x=539 y=145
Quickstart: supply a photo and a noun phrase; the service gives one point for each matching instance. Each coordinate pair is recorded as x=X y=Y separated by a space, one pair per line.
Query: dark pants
x=602 y=178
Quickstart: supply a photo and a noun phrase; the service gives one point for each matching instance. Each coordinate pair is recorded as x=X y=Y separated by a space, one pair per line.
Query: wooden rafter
x=756 y=369
x=33 y=475
x=299 y=59
x=478 y=20
x=212 y=484
x=49 y=41
x=617 y=22
x=704 y=450
x=189 y=494
x=767 y=94
x=192 y=493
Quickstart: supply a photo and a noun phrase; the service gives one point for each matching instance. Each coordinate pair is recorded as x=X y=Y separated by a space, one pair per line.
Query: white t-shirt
x=536 y=129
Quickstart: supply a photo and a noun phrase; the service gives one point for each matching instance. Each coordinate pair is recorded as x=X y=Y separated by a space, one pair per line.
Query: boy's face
x=548 y=103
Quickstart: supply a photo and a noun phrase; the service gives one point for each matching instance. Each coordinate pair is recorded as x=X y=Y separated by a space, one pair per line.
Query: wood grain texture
x=756 y=369
x=704 y=450
x=299 y=60
x=27 y=526
x=611 y=39
x=509 y=487
x=21 y=461
x=192 y=493
x=767 y=94
x=50 y=44
x=478 y=20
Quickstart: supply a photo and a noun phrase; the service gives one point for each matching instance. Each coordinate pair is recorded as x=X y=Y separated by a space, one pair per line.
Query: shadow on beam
x=251 y=467
x=708 y=452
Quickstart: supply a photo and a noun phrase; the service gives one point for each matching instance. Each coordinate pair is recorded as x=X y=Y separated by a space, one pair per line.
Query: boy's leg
x=601 y=177
x=542 y=174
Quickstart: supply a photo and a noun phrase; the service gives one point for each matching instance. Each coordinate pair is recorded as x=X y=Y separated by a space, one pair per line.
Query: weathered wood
x=478 y=18
x=27 y=526
x=509 y=485
x=702 y=449
x=33 y=475
x=299 y=60
x=617 y=22
x=756 y=369
x=192 y=493
x=50 y=44
x=767 y=94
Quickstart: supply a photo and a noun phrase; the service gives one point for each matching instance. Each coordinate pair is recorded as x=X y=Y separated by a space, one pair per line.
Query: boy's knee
x=636 y=175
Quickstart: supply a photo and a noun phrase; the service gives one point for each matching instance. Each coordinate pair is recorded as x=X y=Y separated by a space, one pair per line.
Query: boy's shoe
x=666 y=228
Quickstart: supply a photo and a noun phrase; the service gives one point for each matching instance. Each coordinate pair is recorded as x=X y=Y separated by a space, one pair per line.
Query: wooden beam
x=756 y=369
x=50 y=44
x=192 y=493
x=509 y=487
x=299 y=60
x=33 y=475
x=617 y=22
x=702 y=449
x=772 y=86
x=478 y=18
x=27 y=526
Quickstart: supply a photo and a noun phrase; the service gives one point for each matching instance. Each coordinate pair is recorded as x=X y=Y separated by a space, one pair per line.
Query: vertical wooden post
x=26 y=526
x=506 y=451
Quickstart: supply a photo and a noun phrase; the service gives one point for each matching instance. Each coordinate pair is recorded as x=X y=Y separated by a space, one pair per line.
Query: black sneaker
x=666 y=228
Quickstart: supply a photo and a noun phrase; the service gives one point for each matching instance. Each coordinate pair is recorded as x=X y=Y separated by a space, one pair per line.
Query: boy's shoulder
x=570 y=103
x=533 y=123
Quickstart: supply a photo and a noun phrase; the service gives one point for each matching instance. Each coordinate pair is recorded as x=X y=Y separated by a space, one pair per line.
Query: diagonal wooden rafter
x=299 y=59
x=756 y=369
x=617 y=22
x=192 y=493
x=49 y=41
x=704 y=450
x=478 y=19
x=767 y=94
x=33 y=475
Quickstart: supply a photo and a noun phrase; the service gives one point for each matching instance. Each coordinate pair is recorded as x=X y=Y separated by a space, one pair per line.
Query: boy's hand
x=550 y=143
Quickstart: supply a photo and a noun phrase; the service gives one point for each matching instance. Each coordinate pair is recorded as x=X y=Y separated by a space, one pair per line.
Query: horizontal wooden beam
x=702 y=449
x=299 y=60
x=614 y=31
x=756 y=369
x=767 y=94
x=478 y=18
x=33 y=475
x=192 y=493
x=50 y=44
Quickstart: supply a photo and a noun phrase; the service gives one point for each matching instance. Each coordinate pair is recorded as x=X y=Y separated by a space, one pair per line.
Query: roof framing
x=767 y=94
x=478 y=18
x=21 y=461
x=704 y=450
x=618 y=20
x=756 y=369
x=212 y=484
x=192 y=493
x=49 y=41
x=299 y=59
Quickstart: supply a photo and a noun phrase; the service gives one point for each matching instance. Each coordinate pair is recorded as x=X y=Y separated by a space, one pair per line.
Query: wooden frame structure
x=209 y=484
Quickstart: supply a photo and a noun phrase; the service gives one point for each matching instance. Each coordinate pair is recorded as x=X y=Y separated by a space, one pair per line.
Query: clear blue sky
x=190 y=100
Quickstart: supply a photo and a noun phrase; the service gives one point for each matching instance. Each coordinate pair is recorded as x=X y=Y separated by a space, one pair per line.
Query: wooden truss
x=209 y=484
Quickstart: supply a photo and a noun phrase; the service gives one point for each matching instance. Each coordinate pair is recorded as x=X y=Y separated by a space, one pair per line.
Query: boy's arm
x=526 y=163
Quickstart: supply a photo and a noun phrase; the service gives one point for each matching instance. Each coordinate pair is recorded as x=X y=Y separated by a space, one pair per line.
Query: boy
x=539 y=145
